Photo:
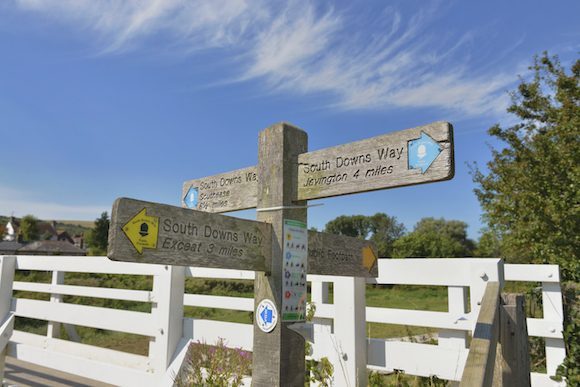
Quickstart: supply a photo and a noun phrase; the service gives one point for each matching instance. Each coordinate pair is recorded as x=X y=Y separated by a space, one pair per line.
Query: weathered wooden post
x=513 y=357
x=278 y=356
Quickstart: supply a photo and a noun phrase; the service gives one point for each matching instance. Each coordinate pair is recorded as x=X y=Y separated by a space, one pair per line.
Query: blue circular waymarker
x=266 y=315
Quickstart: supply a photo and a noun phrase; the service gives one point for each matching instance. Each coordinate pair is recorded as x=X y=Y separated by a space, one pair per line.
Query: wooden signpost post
x=278 y=246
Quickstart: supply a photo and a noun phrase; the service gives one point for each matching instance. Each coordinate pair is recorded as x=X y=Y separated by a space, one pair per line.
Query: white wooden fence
x=339 y=328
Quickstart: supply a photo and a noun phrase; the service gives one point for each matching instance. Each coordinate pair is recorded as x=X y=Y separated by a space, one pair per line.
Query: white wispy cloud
x=20 y=204
x=304 y=47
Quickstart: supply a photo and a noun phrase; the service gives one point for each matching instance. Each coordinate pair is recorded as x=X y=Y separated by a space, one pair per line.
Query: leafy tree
x=382 y=229
x=435 y=238
x=530 y=195
x=29 y=228
x=98 y=238
x=350 y=225
x=489 y=245
x=385 y=230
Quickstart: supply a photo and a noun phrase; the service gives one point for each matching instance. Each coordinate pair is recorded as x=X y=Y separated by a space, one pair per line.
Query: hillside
x=73 y=227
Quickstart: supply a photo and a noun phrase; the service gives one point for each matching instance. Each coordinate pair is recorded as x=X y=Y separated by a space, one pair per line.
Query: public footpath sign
x=413 y=156
x=225 y=192
x=148 y=232
x=157 y=233
x=330 y=254
x=278 y=246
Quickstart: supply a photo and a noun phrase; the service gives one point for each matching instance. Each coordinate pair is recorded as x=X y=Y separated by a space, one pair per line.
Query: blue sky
x=102 y=99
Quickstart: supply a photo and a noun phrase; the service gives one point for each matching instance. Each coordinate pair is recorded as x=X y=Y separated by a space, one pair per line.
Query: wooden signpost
x=413 y=156
x=146 y=232
x=278 y=246
x=330 y=254
x=157 y=233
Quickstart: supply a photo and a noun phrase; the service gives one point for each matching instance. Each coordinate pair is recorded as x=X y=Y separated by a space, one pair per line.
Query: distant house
x=12 y=227
x=51 y=248
x=47 y=231
x=51 y=241
x=10 y=247
x=79 y=241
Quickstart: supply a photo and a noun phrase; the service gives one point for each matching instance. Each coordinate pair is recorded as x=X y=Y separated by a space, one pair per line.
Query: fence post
x=167 y=310
x=554 y=312
x=457 y=305
x=7 y=267
x=512 y=356
x=350 y=332
x=53 y=329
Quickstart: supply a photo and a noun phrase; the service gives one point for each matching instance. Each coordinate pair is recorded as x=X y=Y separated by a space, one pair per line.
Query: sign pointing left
x=157 y=233
x=142 y=231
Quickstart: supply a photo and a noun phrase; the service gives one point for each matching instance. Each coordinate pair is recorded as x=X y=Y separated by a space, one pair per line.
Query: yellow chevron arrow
x=142 y=231
x=369 y=257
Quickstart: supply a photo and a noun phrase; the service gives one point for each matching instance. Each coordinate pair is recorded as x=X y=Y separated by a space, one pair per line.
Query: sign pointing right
x=422 y=152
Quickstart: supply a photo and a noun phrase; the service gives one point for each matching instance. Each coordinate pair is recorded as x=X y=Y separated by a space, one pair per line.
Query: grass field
x=81 y=223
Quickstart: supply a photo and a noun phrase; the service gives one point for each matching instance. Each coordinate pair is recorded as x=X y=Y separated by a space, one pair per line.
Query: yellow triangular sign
x=369 y=257
x=142 y=231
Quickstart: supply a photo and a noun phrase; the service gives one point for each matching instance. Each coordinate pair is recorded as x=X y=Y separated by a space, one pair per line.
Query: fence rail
x=339 y=327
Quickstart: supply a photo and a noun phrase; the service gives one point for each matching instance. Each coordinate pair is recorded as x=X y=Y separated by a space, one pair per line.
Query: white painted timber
x=318 y=292
x=434 y=271
x=532 y=273
x=167 y=315
x=209 y=332
x=202 y=272
x=104 y=372
x=103 y=318
x=540 y=327
x=543 y=380
x=416 y=359
x=325 y=311
x=442 y=320
x=177 y=362
x=220 y=302
x=6 y=331
x=90 y=352
x=457 y=306
x=7 y=265
x=553 y=311
x=349 y=327
x=53 y=329
x=87 y=291
x=84 y=265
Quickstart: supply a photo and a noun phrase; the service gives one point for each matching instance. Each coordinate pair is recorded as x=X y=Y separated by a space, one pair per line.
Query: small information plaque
x=295 y=254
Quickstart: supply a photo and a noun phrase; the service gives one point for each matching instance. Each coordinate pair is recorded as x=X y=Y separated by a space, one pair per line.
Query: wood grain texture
x=191 y=238
x=278 y=356
x=230 y=191
x=512 y=355
x=480 y=364
x=372 y=164
x=381 y=162
x=330 y=254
